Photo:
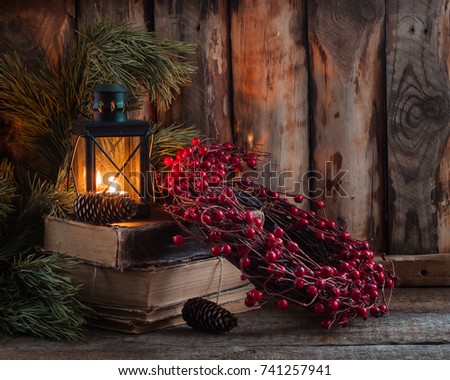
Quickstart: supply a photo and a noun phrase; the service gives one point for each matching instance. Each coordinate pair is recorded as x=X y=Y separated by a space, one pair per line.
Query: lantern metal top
x=109 y=87
x=109 y=102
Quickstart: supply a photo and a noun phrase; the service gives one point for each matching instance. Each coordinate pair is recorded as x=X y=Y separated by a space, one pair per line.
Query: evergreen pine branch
x=138 y=59
x=7 y=190
x=38 y=299
x=168 y=140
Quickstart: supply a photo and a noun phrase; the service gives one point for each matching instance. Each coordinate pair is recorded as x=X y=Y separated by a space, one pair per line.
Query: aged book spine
x=122 y=245
x=155 y=286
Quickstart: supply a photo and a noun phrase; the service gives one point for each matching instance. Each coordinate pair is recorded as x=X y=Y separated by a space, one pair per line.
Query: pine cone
x=104 y=208
x=208 y=316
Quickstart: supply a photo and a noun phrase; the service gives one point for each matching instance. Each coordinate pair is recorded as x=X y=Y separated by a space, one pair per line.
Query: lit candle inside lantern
x=98 y=180
x=110 y=188
x=112 y=185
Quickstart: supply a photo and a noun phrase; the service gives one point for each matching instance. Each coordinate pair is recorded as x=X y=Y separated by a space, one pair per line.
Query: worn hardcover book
x=132 y=326
x=136 y=320
x=156 y=286
x=121 y=245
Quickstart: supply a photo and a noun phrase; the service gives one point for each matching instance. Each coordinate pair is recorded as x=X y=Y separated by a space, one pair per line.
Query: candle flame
x=99 y=179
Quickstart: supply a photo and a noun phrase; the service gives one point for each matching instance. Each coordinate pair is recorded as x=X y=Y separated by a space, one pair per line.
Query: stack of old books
x=136 y=279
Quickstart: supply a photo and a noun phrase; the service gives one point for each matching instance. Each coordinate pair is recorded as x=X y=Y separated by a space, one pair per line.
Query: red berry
x=299 y=283
x=294 y=210
x=312 y=290
x=195 y=141
x=282 y=304
x=244 y=262
x=271 y=256
x=203 y=150
x=379 y=268
x=299 y=271
x=216 y=250
x=319 y=204
x=375 y=312
x=249 y=302
x=278 y=232
x=330 y=224
x=226 y=249
x=272 y=194
x=354 y=274
x=334 y=292
x=258 y=222
x=374 y=294
x=320 y=235
x=187 y=151
x=227 y=145
x=344 y=266
x=319 y=308
x=345 y=235
x=168 y=161
x=344 y=322
x=255 y=294
x=383 y=308
x=320 y=224
x=299 y=198
x=229 y=192
x=250 y=233
x=262 y=193
x=301 y=223
x=277 y=252
x=206 y=219
x=364 y=245
x=326 y=271
x=320 y=284
x=362 y=312
x=178 y=240
x=380 y=277
x=218 y=215
x=293 y=247
x=251 y=164
x=389 y=283
x=355 y=294
x=334 y=305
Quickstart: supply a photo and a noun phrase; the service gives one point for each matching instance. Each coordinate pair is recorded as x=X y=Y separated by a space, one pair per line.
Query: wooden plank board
x=418 y=98
x=38 y=27
x=346 y=63
x=206 y=103
x=416 y=329
x=422 y=270
x=270 y=92
x=115 y=11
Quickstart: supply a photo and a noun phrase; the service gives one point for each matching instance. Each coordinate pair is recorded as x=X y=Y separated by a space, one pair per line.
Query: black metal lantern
x=112 y=154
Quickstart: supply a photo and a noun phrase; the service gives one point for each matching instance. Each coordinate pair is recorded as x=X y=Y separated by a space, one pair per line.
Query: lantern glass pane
x=120 y=151
x=79 y=166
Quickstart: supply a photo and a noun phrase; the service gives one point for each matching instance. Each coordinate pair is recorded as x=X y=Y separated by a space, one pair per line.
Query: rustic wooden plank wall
x=363 y=85
x=418 y=124
x=270 y=86
x=346 y=41
x=206 y=103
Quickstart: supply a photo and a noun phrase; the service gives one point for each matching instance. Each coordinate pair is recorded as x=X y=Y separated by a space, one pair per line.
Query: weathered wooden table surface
x=418 y=328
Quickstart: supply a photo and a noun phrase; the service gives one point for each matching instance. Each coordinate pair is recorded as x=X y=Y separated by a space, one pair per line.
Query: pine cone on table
x=208 y=316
